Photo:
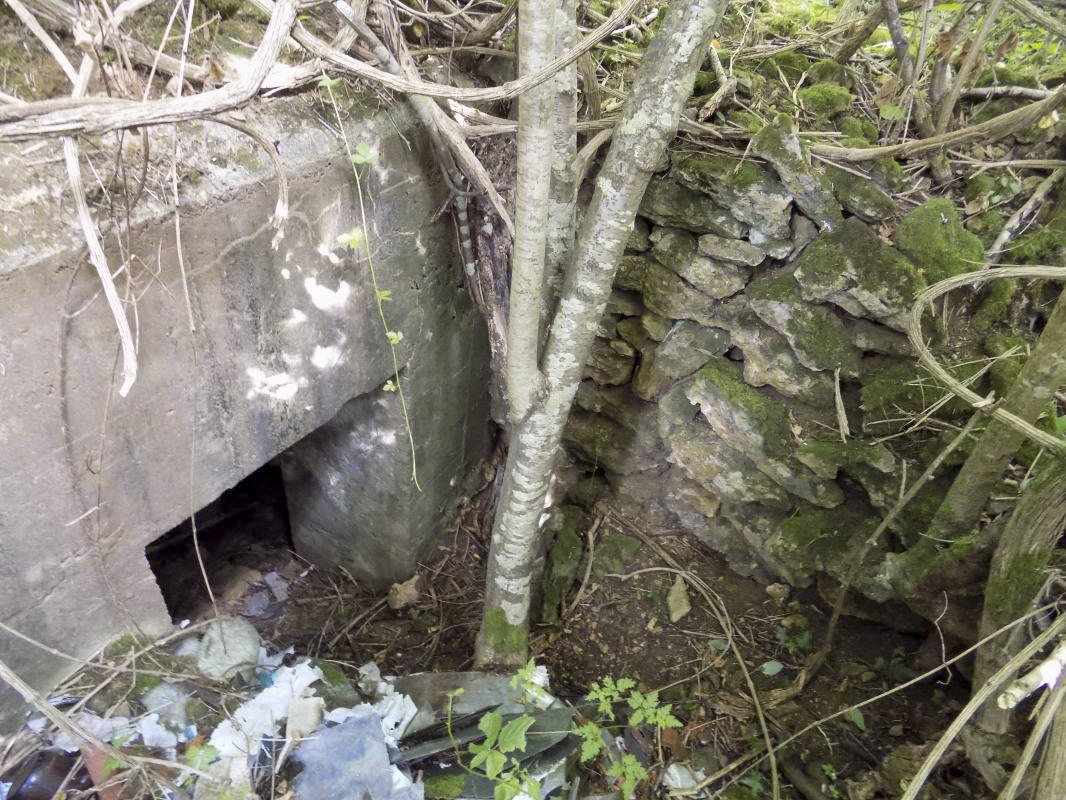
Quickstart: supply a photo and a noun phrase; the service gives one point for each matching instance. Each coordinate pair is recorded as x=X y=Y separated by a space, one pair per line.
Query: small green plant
x=793 y=634
x=356 y=240
x=498 y=756
x=829 y=786
x=644 y=709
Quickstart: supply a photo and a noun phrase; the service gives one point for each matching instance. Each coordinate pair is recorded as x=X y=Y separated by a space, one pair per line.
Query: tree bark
x=648 y=122
x=1051 y=780
x=1043 y=374
x=1017 y=574
x=536 y=48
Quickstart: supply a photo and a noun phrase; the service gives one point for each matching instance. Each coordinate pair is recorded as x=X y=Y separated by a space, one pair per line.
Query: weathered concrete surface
x=283 y=339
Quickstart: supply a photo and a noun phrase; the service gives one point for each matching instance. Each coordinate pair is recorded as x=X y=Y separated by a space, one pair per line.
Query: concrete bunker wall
x=269 y=345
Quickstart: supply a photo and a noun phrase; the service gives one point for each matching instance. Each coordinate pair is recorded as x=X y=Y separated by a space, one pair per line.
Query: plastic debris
x=679 y=776
x=106 y=729
x=154 y=734
x=237 y=739
x=230 y=646
x=350 y=761
x=278 y=585
x=256 y=604
x=168 y=701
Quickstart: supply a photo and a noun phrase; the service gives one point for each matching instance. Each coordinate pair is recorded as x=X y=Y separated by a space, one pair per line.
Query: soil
x=621 y=627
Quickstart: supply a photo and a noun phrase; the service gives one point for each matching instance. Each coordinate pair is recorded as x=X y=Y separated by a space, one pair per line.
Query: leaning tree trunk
x=1041 y=376
x=648 y=122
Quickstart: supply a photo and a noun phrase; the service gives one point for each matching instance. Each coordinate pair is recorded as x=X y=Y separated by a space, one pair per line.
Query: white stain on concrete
x=279 y=386
x=327 y=253
x=326 y=357
x=285 y=273
x=296 y=317
x=327 y=299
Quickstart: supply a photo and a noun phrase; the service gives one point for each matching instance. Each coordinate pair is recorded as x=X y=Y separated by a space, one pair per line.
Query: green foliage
x=933 y=237
x=644 y=709
x=771 y=668
x=857 y=719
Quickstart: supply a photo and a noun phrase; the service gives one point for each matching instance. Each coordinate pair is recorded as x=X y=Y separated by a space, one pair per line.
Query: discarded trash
x=256 y=604
x=350 y=761
x=278 y=585
x=679 y=776
x=42 y=776
x=230 y=646
x=168 y=701
x=238 y=738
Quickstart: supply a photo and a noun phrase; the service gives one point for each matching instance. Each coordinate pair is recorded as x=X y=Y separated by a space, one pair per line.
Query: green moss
x=979 y=185
x=986 y=226
x=829 y=71
x=745 y=120
x=825 y=99
x=224 y=8
x=860 y=196
x=825 y=538
x=851 y=127
x=1004 y=371
x=889 y=173
x=505 y=641
x=1009 y=595
x=614 y=553
x=790 y=63
x=870 y=131
x=767 y=416
x=932 y=236
x=995 y=75
x=564 y=560
x=998 y=297
x=705 y=82
x=445 y=785
x=711 y=170
x=1044 y=243
x=904 y=388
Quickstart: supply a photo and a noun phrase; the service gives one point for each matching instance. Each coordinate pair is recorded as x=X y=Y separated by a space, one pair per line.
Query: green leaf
x=891 y=113
x=389 y=386
x=394 y=337
x=326 y=82
x=532 y=788
x=857 y=719
x=495 y=761
x=385 y=295
x=353 y=238
x=490 y=725
x=113 y=765
x=771 y=668
x=591 y=736
x=199 y=756
x=363 y=154
x=513 y=735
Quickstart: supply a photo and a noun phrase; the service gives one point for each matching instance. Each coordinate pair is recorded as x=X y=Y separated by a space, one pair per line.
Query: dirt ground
x=621 y=627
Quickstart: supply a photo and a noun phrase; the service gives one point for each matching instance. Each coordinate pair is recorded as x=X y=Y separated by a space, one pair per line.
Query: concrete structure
x=284 y=339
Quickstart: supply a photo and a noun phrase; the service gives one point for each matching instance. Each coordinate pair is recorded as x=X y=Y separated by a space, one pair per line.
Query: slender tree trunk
x=1018 y=571
x=1043 y=374
x=1051 y=780
x=648 y=122
x=536 y=47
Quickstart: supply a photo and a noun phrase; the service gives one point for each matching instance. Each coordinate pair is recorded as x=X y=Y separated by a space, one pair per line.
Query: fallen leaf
x=677 y=600
x=404 y=594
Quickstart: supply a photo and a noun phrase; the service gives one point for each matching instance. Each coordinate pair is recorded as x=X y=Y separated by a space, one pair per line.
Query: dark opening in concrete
x=243 y=535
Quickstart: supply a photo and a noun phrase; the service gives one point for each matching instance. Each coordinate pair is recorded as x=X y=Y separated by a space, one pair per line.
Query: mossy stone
x=995 y=304
x=745 y=120
x=564 y=559
x=933 y=237
x=861 y=196
x=851 y=127
x=829 y=71
x=824 y=539
x=1005 y=369
x=789 y=63
x=889 y=173
x=614 y=553
x=817 y=336
x=825 y=99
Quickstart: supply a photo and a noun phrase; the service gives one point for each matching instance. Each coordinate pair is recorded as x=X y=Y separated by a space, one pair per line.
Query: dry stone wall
x=756 y=296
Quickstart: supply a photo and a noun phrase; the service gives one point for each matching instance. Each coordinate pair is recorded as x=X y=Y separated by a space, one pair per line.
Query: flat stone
x=816 y=334
x=758 y=426
x=861 y=196
x=638 y=236
x=668 y=294
x=742 y=186
x=624 y=303
x=853 y=268
x=709 y=460
x=632 y=330
x=685 y=349
x=676 y=250
x=667 y=202
x=656 y=325
x=812 y=192
x=770 y=361
x=731 y=250
x=607 y=366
